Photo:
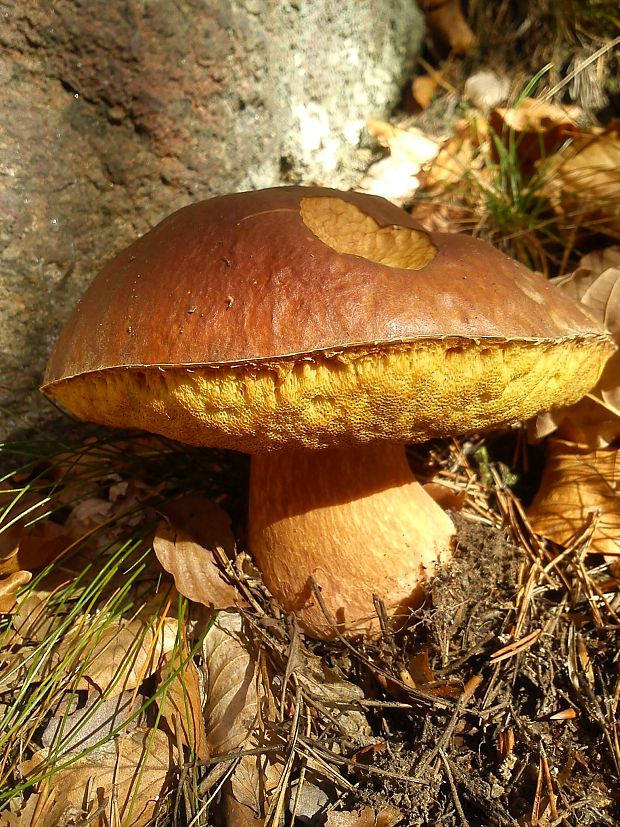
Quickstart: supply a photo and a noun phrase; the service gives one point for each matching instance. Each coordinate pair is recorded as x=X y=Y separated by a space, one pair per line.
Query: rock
x=112 y=115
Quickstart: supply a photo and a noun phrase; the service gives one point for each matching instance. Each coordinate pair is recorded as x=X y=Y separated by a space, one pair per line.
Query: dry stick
x=470 y=687
x=302 y=772
x=329 y=756
x=549 y=783
x=453 y=789
x=423 y=697
x=292 y=649
x=577 y=71
x=274 y=813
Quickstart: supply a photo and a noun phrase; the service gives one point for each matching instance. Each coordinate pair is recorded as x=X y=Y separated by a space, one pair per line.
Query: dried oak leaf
x=127 y=778
x=594 y=421
x=446 y=22
x=231 y=709
x=197 y=532
x=582 y=181
x=388 y=816
x=574 y=486
x=396 y=176
x=181 y=700
x=121 y=654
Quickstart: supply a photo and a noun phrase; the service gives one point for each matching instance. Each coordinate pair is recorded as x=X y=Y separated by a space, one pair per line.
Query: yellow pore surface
x=407 y=393
x=346 y=229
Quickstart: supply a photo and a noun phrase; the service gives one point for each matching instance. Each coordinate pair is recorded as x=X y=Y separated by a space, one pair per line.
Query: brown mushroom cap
x=309 y=317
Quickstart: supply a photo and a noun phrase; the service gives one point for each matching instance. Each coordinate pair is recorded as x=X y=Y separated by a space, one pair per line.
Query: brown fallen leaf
x=9 y=587
x=181 y=700
x=422 y=90
x=121 y=654
x=231 y=709
x=127 y=779
x=367 y=817
x=583 y=180
x=594 y=421
x=576 y=485
x=194 y=568
x=445 y=20
x=38 y=545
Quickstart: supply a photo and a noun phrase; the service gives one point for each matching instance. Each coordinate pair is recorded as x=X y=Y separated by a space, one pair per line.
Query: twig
x=424 y=698
x=577 y=71
x=455 y=795
x=470 y=687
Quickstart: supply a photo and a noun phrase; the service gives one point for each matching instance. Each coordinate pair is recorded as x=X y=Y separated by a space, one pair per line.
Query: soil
x=485 y=762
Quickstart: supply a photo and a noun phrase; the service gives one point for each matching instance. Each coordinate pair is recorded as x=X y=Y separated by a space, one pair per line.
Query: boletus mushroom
x=321 y=331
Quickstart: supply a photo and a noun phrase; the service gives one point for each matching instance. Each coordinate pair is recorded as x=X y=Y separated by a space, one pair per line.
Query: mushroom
x=321 y=331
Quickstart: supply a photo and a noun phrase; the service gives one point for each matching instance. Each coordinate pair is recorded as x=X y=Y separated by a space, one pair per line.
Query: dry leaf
x=532 y=115
x=535 y=131
x=254 y=781
x=329 y=689
x=85 y=727
x=122 y=654
x=447 y=24
x=38 y=545
x=232 y=700
x=236 y=814
x=129 y=776
x=386 y=817
x=181 y=701
x=576 y=485
x=9 y=586
x=422 y=90
x=25 y=544
x=486 y=90
x=583 y=180
x=594 y=421
x=196 y=574
x=395 y=177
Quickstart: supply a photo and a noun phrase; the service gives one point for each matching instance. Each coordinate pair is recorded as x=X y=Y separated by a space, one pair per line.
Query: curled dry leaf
x=196 y=574
x=395 y=177
x=595 y=420
x=533 y=130
x=121 y=654
x=181 y=700
x=231 y=710
x=532 y=115
x=583 y=180
x=9 y=587
x=486 y=90
x=386 y=817
x=576 y=485
x=447 y=24
x=127 y=779
x=197 y=532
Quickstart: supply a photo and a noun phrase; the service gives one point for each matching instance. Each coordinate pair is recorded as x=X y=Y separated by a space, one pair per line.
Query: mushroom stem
x=357 y=521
